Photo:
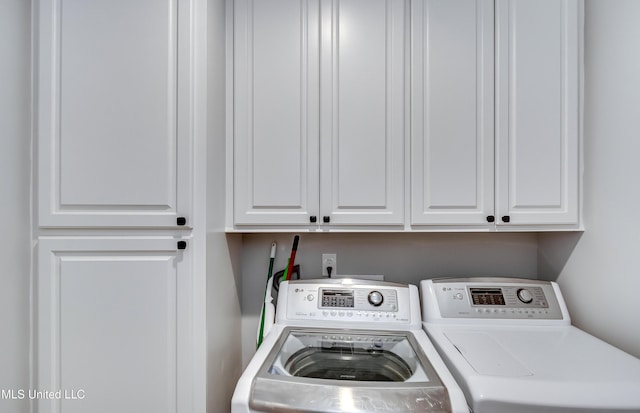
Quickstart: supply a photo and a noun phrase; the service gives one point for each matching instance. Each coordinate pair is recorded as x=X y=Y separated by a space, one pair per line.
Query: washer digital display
x=337 y=298
x=487 y=296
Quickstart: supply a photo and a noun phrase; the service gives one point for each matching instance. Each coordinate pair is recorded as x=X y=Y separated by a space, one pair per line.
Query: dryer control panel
x=349 y=301
x=491 y=298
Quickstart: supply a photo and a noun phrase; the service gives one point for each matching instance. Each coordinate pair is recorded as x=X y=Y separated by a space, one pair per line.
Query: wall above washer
x=401 y=257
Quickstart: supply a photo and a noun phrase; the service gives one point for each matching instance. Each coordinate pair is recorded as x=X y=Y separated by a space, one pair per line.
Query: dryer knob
x=376 y=298
x=525 y=295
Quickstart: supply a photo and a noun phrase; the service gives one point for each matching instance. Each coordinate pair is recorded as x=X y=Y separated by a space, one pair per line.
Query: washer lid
x=347 y=370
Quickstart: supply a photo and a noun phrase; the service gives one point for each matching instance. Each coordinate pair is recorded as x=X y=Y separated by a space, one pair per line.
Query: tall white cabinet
x=319 y=90
x=115 y=325
x=115 y=110
x=120 y=275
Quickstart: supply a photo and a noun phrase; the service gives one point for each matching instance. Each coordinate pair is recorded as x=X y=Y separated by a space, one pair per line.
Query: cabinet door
x=452 y=152
x=363 y=75
x=115 y=101
x=275 y=123
x=114 y=326
x=538 y=72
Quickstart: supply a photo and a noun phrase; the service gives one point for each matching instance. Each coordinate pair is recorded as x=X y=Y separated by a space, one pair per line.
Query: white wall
x=599 y=271
x=401 y=257
x=224 y=364
x=14 y=196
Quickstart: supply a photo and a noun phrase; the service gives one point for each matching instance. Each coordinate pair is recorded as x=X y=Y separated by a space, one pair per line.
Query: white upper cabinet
x=275 y=111
x=399 y=115
x=531 y=159
x=362 y=114
x=538 y=58
x=452 y=151
x=319 y=112
x=115 y=109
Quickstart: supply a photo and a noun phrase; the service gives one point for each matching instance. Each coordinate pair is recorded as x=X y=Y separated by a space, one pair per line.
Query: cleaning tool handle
x=273 y=251
x=292 y=258
x=267 y=311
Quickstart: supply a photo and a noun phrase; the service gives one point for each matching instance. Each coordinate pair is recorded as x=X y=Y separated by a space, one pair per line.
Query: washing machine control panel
x=363 y=299
x=496 y=300
x=359 y=303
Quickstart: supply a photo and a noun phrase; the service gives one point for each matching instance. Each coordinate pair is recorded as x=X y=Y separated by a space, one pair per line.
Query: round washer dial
x=375 y=298
x=525 y=295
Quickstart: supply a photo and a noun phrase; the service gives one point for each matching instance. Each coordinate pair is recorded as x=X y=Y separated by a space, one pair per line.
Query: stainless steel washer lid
x=326 y=371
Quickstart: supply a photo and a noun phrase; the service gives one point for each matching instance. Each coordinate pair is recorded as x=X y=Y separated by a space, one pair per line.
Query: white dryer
x=511 y=346
x=344 y=345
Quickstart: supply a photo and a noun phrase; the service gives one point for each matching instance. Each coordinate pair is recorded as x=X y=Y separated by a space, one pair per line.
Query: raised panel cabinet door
x=363 y=93
x=275 y=106
x=114 y=326
x=538 y=59
x=116 y=103
x=452 y=152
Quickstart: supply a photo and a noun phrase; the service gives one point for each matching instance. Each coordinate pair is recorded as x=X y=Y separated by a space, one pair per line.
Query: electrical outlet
x=329 y=260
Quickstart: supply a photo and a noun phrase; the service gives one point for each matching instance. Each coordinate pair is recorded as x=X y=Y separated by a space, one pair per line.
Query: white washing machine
x=345 y=345
x=511 y=346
